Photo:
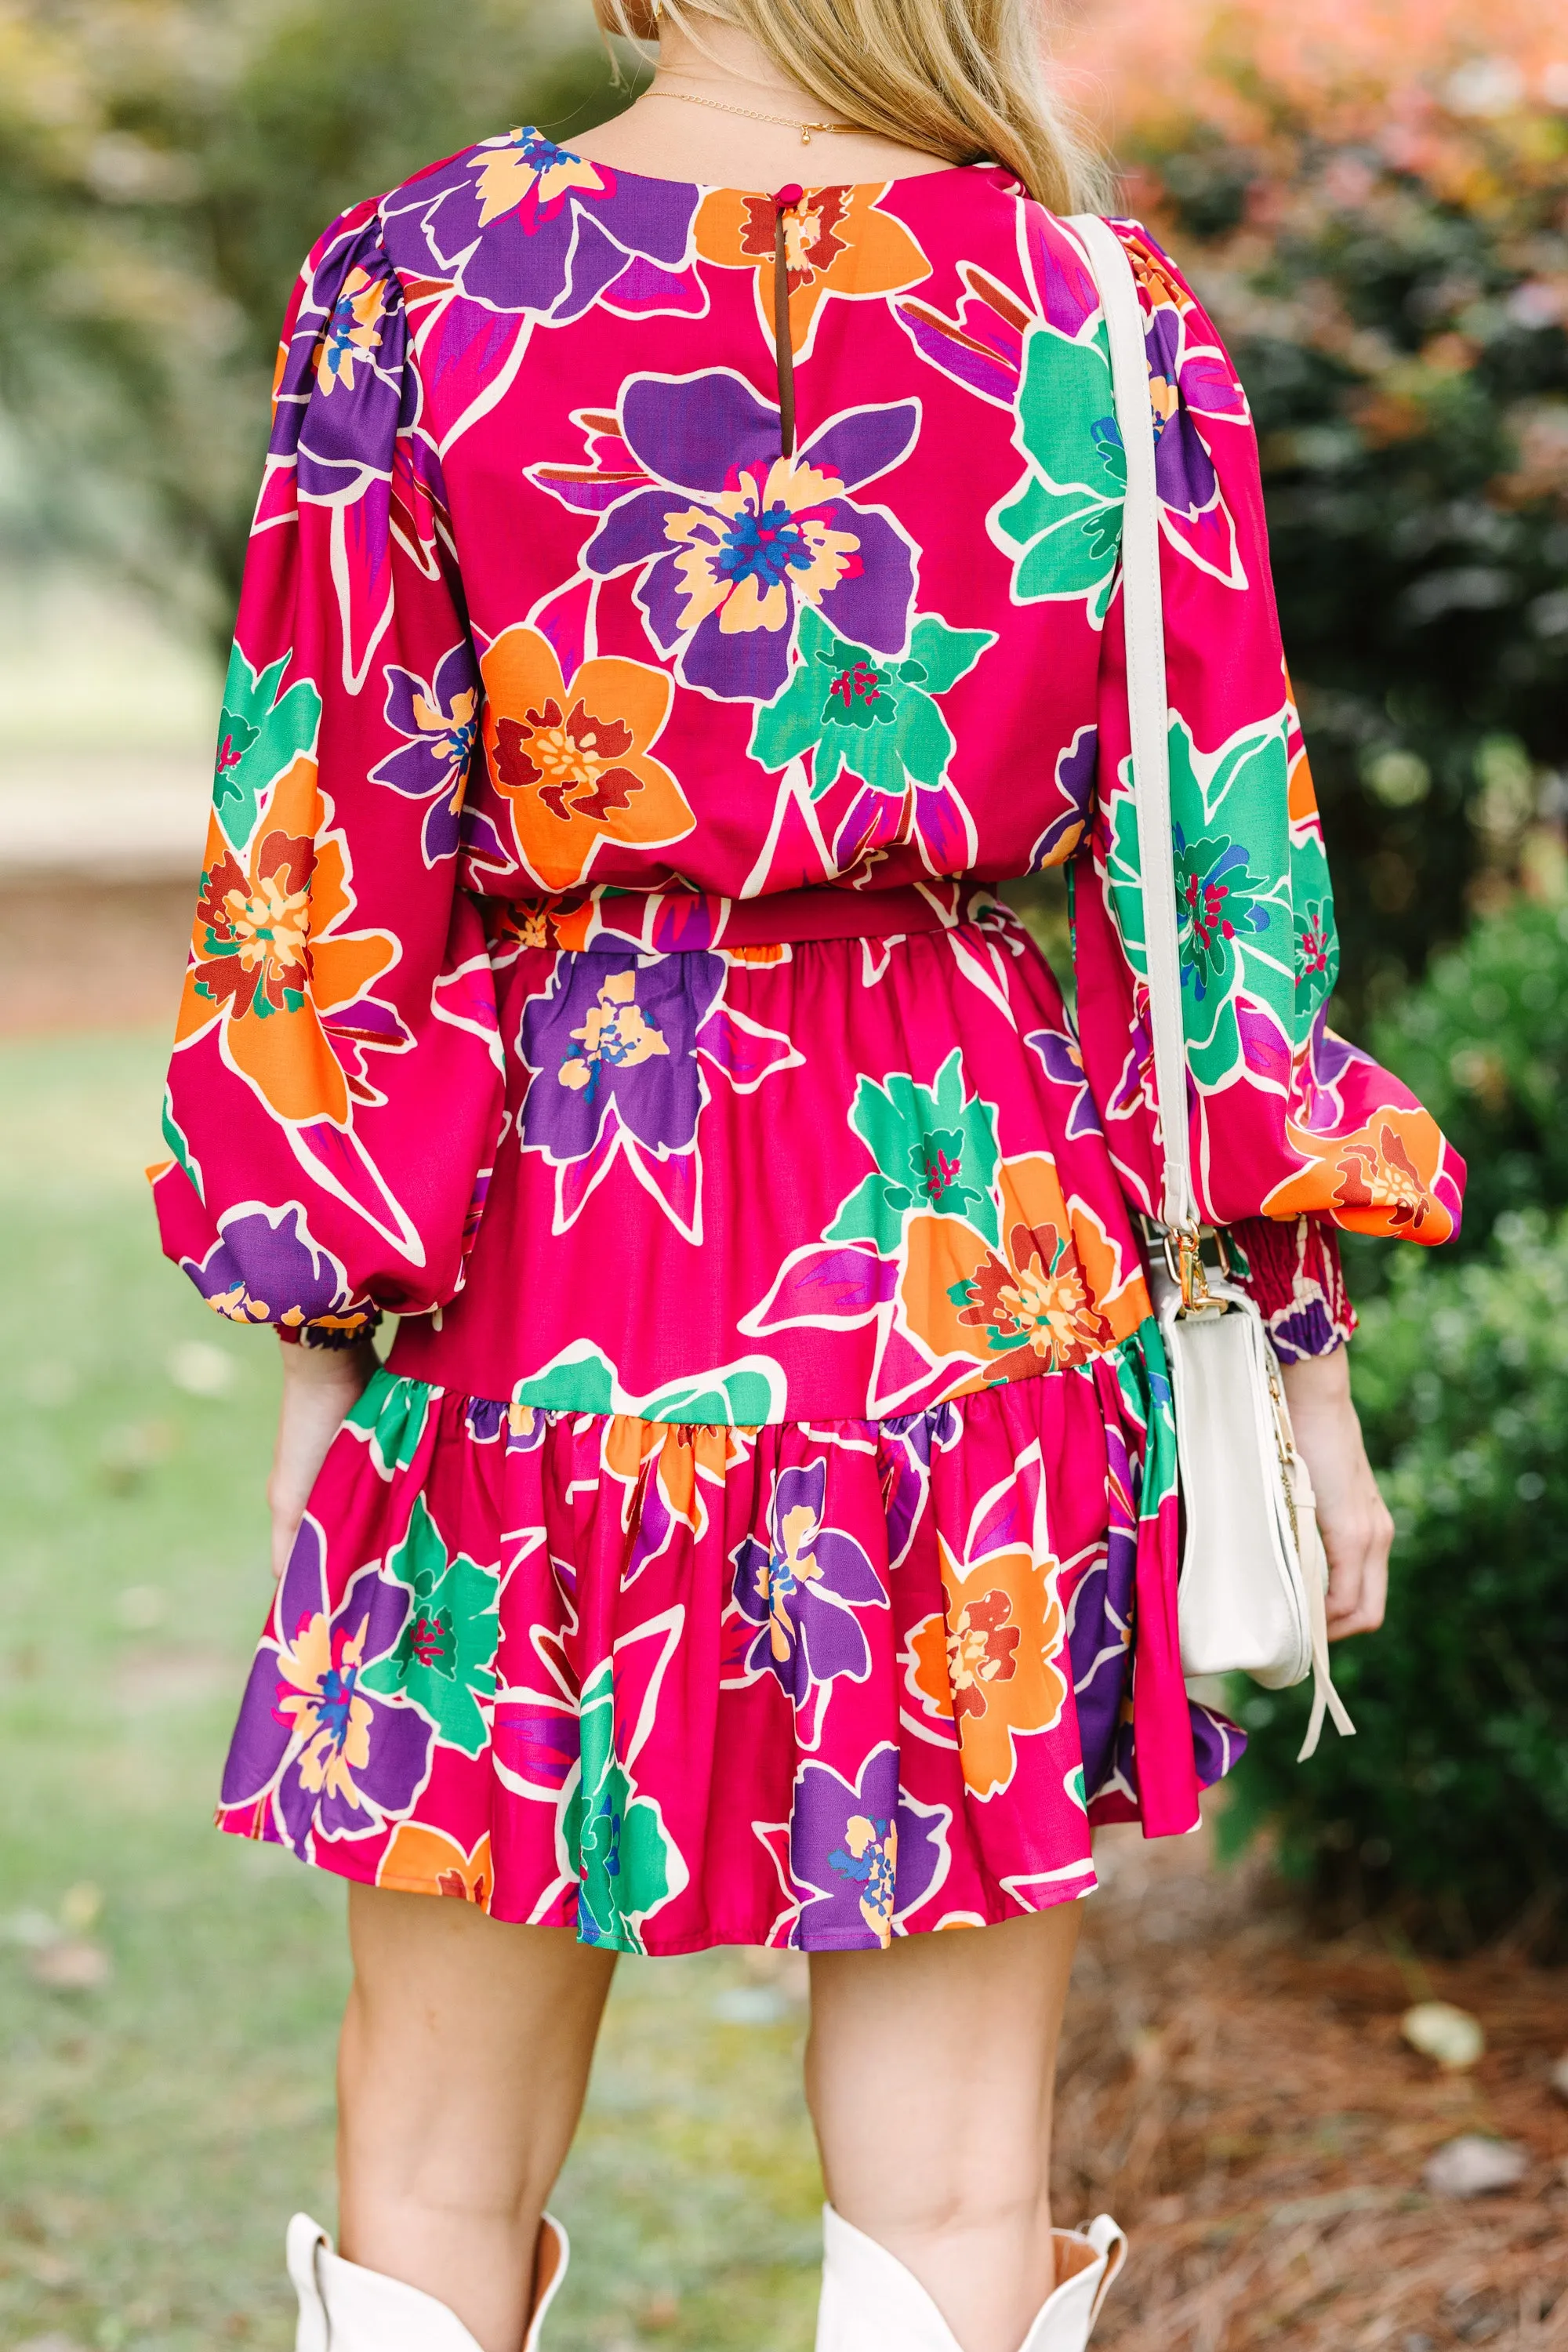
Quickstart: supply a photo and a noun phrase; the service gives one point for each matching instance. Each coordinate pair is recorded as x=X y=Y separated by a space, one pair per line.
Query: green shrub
x=1450 y=1805
x=1374 y=242
x=1484 y=1043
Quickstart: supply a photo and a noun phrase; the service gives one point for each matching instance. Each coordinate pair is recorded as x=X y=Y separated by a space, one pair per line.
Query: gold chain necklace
x=785 y=122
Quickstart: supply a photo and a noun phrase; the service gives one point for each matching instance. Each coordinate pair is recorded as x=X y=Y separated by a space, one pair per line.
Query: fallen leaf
x=1439 y=2030
x=1471 y=2166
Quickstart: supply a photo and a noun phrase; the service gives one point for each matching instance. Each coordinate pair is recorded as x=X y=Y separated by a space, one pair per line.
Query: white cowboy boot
x=871 y=2303
x=345 y=2308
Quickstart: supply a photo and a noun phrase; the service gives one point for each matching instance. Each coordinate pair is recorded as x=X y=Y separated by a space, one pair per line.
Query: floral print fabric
x=595 y=965
x=816 y=1685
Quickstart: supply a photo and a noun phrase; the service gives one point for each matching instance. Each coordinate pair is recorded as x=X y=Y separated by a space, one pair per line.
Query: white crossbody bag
x=1254 y=1575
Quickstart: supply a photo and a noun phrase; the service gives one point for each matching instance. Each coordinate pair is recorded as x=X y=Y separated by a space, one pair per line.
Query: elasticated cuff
x=1292 y=1271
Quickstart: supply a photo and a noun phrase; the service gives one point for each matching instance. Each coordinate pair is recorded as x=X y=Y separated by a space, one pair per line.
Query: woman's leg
x=928 y=2072
x=465 y=2056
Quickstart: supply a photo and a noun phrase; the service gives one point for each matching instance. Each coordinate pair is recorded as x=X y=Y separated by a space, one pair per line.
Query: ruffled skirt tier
x=676 y=1684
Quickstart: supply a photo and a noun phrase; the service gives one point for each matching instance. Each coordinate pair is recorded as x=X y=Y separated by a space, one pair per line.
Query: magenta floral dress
x=764 y=1529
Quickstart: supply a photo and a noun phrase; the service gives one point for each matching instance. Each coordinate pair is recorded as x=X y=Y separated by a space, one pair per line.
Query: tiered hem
x=813 y=1682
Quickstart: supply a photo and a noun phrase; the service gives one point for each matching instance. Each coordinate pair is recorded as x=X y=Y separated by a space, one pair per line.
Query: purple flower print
x=734 y=538
x=615 y=1040
x=865 y=1855
x=1184 y=470
x=343 y=432
x=1063 y=1063
x=315 y=1747
x=344 y=393
x=905 y=1446
x=1304 y=1328
x=519 y=224
x=265 y=1268
x=800 y=1587
x=440 y=725
x=1075 y=771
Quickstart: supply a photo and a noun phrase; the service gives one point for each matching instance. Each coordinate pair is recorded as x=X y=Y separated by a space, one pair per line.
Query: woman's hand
x=1353 y=1518
x=320 y=1387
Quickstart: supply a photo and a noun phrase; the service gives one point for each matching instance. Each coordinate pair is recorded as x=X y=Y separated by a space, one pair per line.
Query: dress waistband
x=671 y=922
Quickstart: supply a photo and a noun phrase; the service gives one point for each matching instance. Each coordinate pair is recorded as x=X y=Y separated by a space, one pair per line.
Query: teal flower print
x=1063 y=523
x=1230 y=825
x=935 y=1150
x=615 y=1836
x=390 y=1419
x=853 y=708
x=1316 y=942
x=260 y=735
x=444 y=1659
x=1216 y=899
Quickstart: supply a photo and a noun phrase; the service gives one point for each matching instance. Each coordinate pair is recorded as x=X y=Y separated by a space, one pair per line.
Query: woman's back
x=854 y=592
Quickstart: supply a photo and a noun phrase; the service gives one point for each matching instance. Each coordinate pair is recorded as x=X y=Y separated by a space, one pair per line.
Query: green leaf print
x=179 y=1145
x=445 y=1656
x=935 y=1148
x=615 y=1836
x=581 y=1379
x=741 y=1396
x=858 y=711
x=390 y=1418
x=1063 y=523
x=1229 y=814
x=260 y=736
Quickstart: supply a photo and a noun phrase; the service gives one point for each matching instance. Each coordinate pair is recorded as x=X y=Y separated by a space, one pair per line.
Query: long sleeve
x=1288 y=1121
x=334 y=1094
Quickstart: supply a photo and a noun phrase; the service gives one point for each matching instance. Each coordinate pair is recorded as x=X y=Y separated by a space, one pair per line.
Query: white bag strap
x=1148 y=702
x=1148 y=706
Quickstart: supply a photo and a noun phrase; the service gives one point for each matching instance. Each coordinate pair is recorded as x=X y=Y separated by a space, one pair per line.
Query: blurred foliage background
x=165 y=167
x=1373 y=198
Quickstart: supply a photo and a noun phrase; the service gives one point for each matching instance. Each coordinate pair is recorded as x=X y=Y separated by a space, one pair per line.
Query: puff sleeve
x=1288 y=1121
x=334 y=1093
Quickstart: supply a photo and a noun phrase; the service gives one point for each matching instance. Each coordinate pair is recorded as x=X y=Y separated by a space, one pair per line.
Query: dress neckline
x=723 y=188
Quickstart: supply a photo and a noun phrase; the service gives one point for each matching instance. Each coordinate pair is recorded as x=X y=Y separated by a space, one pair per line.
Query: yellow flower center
x=272 y=922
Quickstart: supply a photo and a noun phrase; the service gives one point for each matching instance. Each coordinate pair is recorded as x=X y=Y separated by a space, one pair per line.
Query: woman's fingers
x=1358 y=1566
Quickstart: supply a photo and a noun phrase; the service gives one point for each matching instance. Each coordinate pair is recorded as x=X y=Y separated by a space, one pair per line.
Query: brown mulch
x=1240 y=2097
x=99 y=953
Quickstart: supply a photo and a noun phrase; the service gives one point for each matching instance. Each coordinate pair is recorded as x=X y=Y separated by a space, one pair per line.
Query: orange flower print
x=836 y=242
x=426 y=1861
x=991 y=1663
x=270 y=961
x=571 y=759
x=1052 y=1294
x=1384 y=1177
x=352 y=333
x=1036 y=1298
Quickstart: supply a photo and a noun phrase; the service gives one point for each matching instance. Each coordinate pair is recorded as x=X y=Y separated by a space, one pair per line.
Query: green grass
x=156 y=2132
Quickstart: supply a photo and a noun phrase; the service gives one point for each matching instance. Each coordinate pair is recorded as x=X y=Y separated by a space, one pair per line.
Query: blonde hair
x=960 y=78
